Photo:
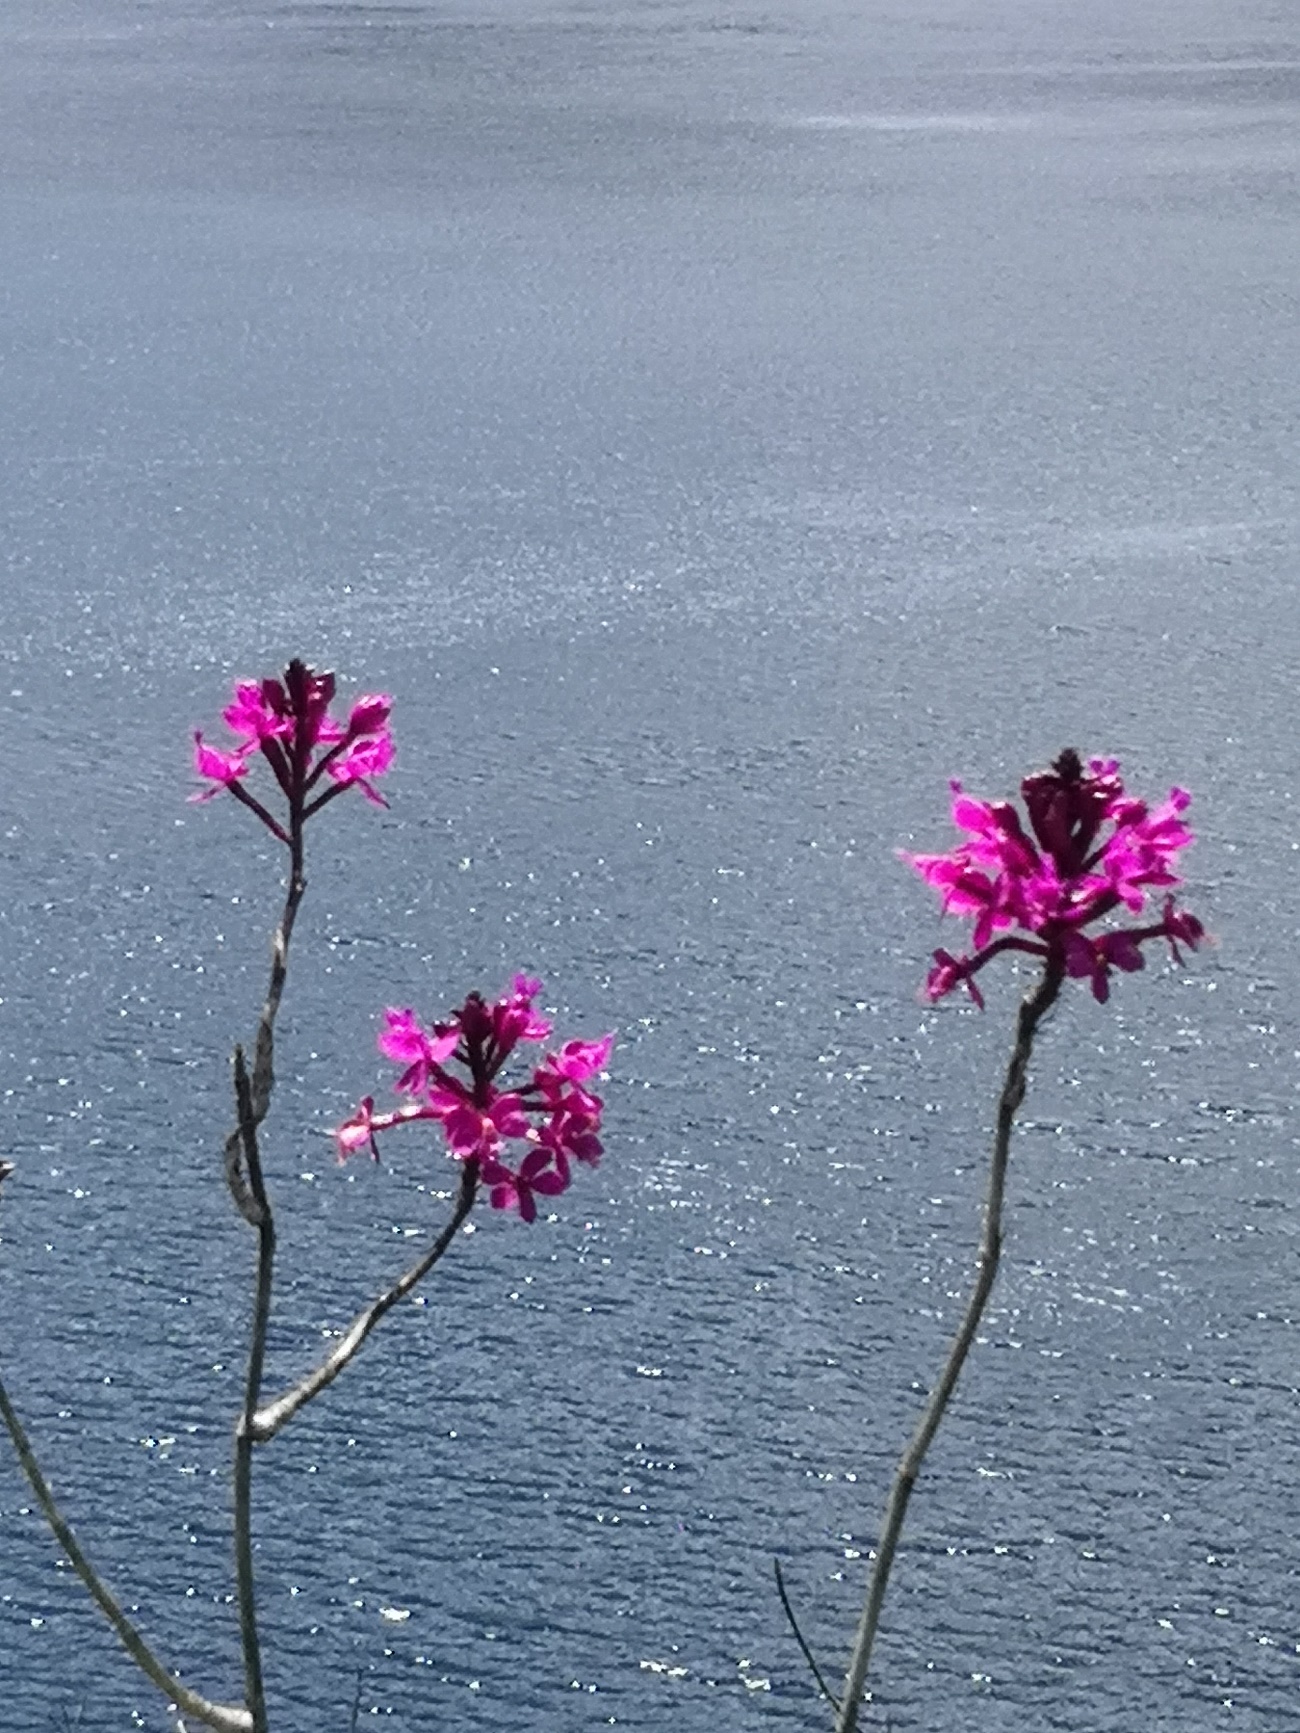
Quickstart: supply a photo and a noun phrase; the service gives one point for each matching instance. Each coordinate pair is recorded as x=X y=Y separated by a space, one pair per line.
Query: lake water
x=716 y=425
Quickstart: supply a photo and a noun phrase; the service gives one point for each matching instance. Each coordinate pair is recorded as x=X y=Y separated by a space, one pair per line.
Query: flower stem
x=253 y=1205
x=268 y=1419
x=244 y=1173
x=248 y=1634
x=226 y=1717
x=1033 y=1008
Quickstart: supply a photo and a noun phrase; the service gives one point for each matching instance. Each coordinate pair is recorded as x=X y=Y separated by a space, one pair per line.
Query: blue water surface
x=717 y=425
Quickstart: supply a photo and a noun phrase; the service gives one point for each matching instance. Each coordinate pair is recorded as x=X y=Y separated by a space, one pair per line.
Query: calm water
x=716 y=426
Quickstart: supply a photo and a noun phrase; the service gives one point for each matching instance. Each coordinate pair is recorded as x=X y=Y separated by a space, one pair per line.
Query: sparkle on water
x=716 y=426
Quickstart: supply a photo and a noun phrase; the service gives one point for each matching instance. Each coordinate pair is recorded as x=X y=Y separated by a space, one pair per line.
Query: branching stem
x=268 y=1419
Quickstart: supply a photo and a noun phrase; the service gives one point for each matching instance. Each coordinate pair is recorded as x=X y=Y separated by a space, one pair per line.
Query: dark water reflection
x=717 y=427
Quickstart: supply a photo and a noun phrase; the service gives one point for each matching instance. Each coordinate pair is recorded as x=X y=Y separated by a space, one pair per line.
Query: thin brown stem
x=226 y=1717
x=269 y=1418
x=248 y=1634
x=263 y=1078
x=254 y=805
x=1033 y=1009
x=263 y=1073
x=248 y=1187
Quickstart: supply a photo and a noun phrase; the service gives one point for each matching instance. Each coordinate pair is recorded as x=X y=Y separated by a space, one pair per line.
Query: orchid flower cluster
x=289 y=722
x=1094 y=850
x=553 y=1115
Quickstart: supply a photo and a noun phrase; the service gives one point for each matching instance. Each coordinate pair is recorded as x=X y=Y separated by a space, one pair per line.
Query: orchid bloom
x=1092 y=851
x=288 y=722
x=553 y=1115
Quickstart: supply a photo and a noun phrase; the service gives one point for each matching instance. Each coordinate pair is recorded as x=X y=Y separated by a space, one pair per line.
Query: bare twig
x=822 y=1686
x=356 y=1705
x=268 y=1419
x=1033 y=1009
x=226 y=1717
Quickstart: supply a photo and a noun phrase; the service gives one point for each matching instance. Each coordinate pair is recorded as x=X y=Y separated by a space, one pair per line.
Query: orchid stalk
x=289 y=723
x=1091 y=852
x=516 y=1142
x=313 y=758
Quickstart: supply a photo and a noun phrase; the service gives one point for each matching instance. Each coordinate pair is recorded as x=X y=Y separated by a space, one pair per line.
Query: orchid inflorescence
x=288 y=721
x=1095 y=850
x=553 y=1114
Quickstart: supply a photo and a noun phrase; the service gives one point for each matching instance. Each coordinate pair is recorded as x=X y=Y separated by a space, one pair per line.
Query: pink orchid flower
x=519 y=1188
x=288 y=722
x=450 y=1078
x=221 y=768
x=1091 y=852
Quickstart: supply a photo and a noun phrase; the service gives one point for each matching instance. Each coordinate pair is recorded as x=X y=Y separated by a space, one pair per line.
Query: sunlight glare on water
x=717 y=427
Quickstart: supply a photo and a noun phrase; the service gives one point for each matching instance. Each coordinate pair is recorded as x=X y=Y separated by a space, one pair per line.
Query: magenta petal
x=534 y=1164
x=581 y=1059
x=1123 y=951
x=442 y=1045
x=507 y=1115
x=363 y=759
x=946 y=974
x=219 y=766
x=464 y=1129
x=358 y=1132
x=252 y=713
x=403 y=1040
x=974 y=815
x=1079 y=956
x=370 y=713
